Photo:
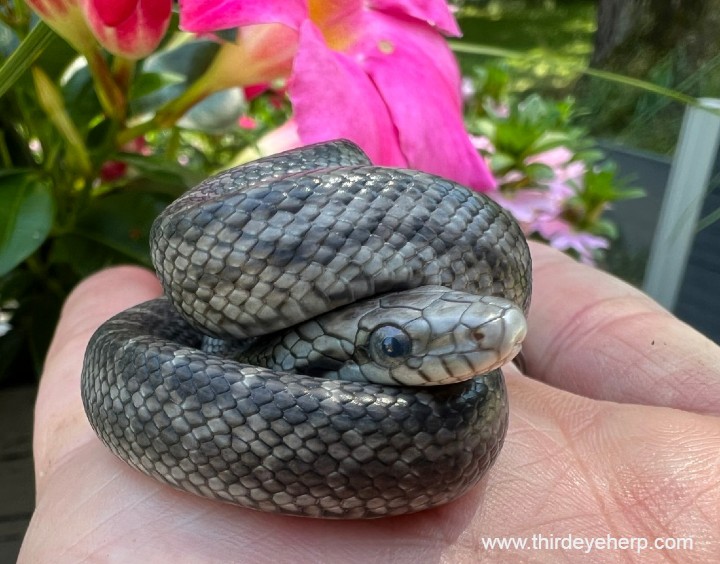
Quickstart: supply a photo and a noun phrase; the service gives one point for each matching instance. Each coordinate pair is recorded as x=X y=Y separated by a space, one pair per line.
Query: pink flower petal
x=527 y=206
x=260 y=54
x=419 y=81
x=201 y=16
x=433 y=12
x=562 y=236
x=116 y=12
x=246 y=122
x=252 y=92
x=556 y=157
x=68 y=21
x=334 y=98
x=481 y=143
x=280 y=139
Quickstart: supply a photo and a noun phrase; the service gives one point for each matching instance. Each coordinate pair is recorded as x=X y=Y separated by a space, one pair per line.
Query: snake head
x=421 y=337
x=433 y=336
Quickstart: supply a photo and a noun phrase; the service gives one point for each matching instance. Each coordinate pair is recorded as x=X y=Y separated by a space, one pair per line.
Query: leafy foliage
x=75 y=197
x=550 y=175
x=93 y=147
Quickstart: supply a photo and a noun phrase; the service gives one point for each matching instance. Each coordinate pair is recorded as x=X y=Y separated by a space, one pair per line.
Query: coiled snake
x=425 y=283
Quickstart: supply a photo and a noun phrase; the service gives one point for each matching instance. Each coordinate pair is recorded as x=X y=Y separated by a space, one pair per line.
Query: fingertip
x=102 y=295
x=112 y=288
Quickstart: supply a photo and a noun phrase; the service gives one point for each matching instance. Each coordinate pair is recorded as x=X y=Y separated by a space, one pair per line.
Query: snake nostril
x=478 y=335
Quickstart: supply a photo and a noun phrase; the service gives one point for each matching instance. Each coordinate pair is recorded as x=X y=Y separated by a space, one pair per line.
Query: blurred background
x=612 y=80
x=672 y=45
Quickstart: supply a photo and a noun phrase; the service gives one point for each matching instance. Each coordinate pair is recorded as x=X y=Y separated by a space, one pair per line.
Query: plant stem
x=123 y=71
x=111 y=98
x=169 y=114
x=4 y=152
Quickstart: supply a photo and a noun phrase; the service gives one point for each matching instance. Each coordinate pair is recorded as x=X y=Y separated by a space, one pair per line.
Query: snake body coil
x=272 y=247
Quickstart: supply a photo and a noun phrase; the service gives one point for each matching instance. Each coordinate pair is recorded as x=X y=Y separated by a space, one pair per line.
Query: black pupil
x=394 y=347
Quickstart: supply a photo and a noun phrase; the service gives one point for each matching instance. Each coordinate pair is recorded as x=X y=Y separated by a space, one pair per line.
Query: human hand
x=616 y=434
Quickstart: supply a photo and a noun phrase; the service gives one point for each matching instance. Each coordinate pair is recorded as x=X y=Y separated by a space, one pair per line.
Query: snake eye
x=389 y=345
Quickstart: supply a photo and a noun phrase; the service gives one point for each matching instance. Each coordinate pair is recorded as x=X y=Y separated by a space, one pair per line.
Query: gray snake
x=320 y=266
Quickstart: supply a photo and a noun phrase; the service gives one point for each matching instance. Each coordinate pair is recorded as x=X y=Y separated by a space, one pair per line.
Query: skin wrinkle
x=573 y=341
x=550 y=456
x=594 y=479
x=637 y=361
x=573 y=442
x=650 y=524
x=574 y=438
x=645 y=481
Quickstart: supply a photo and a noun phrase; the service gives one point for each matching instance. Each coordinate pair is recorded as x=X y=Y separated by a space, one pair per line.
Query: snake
x=328 y=344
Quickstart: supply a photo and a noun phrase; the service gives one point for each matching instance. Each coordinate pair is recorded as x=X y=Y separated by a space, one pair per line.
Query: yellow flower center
x=332 y=18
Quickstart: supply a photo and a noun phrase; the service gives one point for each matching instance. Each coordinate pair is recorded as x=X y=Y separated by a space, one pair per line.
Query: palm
x=572 y=466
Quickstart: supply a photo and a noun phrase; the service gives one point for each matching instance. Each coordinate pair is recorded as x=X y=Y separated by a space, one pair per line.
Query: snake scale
x=321 y=267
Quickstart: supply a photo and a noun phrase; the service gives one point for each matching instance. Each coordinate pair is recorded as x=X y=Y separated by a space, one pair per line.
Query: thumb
x=60 y=423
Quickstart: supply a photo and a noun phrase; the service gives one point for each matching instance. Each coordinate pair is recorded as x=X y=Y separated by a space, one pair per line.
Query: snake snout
x=498 y=328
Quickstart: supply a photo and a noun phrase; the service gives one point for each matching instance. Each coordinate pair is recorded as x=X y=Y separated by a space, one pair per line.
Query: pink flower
x=259 y=55
x=129 y=28
x=247 y=122
x=540 y=208
x=481 y=143
x=377 y=72
x=536 y=205
x=114 y=170
x=529 y=206
x=561 y=235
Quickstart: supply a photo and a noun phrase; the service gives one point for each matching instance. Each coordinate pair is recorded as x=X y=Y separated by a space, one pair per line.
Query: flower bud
x=128 y=28
x=67 y=20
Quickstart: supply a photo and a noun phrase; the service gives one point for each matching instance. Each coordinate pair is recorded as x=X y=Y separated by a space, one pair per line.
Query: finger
x=594 y=335
x=581 y=467
x=60 y=423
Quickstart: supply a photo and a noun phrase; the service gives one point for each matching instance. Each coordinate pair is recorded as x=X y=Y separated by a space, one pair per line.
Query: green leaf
x=230 y=35
x=26 y=216
x=8 y=41
x=708 y=220
x=501 y=162
x=82 y=255
x=162 y=171
x=217 y=113
x=547 y=141
x=81 y=99
x=557 y=61
x=539 y=172
x=24 y=56
x=149 y=82
x=121 y=221
x=186 y=62
x=605 y=228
